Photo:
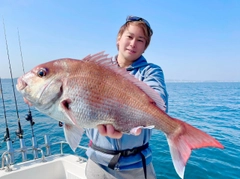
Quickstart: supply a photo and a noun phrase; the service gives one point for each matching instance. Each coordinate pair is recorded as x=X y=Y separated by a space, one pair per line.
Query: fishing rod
x=19 y=132
x=7 y=135
x=29 y=115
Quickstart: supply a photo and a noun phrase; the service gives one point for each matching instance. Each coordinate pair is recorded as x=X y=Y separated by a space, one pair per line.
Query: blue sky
x=192 y=40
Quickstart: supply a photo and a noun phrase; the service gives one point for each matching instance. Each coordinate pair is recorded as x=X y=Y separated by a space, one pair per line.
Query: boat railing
x=8 y=156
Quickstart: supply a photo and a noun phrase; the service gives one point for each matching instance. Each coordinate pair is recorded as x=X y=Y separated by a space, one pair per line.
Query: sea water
x=213 y=107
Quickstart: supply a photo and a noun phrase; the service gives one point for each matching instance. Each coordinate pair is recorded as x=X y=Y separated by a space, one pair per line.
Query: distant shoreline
x=199 y=81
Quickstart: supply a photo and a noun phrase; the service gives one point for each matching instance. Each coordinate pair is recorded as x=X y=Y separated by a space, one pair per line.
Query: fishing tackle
x=19 y=131
x=7 y=134
x=6 y=137
x=28 y=117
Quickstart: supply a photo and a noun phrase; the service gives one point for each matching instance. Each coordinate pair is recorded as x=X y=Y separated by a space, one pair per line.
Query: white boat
x=57 y=166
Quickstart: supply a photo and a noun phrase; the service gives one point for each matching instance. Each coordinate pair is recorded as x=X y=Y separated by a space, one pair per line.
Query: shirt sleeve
x=154 y=77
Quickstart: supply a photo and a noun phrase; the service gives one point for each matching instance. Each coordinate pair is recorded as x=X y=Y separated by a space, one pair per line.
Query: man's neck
x=122 y=62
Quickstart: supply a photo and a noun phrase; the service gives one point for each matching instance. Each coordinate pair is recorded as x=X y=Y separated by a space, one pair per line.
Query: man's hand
x=108 y=130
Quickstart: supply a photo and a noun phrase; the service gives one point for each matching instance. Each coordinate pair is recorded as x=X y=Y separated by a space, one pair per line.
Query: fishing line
x=19 y=133
x=7 y=135
x=20 y=47
x=29 y=115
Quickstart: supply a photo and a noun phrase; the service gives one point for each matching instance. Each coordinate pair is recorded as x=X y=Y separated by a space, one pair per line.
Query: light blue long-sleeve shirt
x=153 y=76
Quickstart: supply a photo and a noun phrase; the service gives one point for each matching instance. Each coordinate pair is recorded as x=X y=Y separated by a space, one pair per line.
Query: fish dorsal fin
x=101 y=59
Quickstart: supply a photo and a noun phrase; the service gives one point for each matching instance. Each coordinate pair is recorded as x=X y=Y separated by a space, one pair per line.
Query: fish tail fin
x=182 y=141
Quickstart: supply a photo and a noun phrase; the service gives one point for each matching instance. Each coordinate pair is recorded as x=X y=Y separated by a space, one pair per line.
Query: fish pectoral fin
x=184 y=140
x=73 y=135
x=66 y=109
x=135 y=130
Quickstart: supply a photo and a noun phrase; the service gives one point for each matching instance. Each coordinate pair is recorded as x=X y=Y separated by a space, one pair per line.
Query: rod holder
x=35 y=147
x=47 y=145
x=23 y=149
x=10 y=150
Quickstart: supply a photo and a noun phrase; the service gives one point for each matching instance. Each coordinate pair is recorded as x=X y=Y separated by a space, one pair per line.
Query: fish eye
x=42 y=72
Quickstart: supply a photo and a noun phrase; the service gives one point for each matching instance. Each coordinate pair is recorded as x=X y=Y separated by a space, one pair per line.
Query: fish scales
x=99 y=87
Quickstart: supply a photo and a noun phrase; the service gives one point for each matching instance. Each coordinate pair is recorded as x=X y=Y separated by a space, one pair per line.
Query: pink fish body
x=86 y=93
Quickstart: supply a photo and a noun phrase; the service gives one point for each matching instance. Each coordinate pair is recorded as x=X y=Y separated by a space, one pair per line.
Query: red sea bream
x=86 y=93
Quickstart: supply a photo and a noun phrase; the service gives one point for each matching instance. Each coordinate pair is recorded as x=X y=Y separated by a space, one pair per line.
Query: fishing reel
x=29 y=118
x=6 y=138
x=19 y=133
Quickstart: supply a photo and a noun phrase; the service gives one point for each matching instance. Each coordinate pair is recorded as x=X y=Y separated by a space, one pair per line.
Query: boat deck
x=54 y=167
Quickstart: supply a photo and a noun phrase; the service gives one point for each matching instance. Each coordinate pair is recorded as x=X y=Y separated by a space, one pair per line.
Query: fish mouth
x=27 y=102
x=28 y=93
x=21 y=84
